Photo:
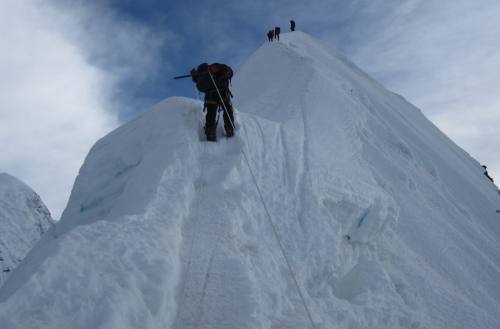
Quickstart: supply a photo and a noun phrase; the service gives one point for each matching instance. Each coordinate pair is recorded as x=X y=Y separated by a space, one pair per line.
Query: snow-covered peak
x=285 y=69
x=10 y=186
x=337 y=202
x=23 y=220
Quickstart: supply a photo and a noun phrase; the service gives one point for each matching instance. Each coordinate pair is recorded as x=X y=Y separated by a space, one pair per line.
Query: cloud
x=53 y=103
x=442 y=56
x=61 y=87
x=132 y=53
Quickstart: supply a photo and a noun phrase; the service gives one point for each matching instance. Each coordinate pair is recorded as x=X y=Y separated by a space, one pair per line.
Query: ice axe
x=182 y=76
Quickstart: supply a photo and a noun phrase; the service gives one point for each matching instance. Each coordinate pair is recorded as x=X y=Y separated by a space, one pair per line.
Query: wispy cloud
x=129 y=51
x=442 y=56
x=62 y=69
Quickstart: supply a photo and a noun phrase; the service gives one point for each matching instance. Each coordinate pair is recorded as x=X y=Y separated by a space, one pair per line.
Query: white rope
x=275 y=231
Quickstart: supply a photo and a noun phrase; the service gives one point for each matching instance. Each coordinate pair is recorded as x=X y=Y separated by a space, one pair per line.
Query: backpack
x=203 y=80
x=221 y=73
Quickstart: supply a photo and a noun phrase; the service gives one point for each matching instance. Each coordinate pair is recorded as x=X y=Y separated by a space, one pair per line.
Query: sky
x=73 y=70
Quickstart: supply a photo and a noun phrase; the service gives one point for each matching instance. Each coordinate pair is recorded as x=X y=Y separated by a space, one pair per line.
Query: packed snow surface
x=23 y=220
x=385 y=222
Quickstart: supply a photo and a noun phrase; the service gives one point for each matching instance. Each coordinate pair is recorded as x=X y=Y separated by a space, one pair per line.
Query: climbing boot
x=229 y=131
x=211 y=134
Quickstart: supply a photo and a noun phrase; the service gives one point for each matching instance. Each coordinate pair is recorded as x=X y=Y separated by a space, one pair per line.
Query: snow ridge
x=23 y=220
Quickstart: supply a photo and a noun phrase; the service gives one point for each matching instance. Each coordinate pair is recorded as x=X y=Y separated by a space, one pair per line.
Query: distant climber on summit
x=292 y=25
x=217 y=97
x=277 y=33
x=270 y=35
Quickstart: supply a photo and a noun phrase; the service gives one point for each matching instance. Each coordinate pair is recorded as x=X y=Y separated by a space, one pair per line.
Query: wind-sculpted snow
x=23 y=220
x=385 y=222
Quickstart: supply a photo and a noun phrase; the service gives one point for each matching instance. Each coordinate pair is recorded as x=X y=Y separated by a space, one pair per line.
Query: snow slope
x=384 y=221
x=23 y=220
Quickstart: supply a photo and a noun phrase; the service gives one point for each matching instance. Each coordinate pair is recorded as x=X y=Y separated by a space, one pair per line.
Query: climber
x=277 y=33
x=222 y=75
x=486 y=174
x=270 y=35
x=292 y=25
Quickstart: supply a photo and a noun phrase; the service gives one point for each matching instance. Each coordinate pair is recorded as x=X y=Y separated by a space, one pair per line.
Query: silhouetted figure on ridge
x=270 y=35
x=292 y=25
x=277 y=33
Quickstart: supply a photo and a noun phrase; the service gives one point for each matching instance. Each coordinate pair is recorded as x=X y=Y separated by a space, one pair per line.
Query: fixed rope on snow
x=275 y=231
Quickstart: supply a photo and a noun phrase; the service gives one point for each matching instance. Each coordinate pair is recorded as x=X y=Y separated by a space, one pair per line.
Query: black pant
x=213 y=103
